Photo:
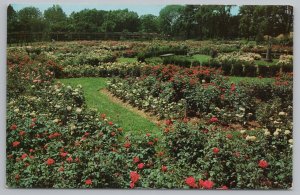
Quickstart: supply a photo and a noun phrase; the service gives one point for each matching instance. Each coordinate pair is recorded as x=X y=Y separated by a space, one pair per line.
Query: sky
x=69 y=8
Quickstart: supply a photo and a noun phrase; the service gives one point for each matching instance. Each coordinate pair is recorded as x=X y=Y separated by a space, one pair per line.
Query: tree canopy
x=188 y=21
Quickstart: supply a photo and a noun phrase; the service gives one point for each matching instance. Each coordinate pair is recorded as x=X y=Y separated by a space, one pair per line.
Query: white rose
x=16 y=110
x=56 y=120
x=267 y=133
x=78 y=110
x=242 y=131
x=290 y=141
x=69 y=108
x=276 y=133
x=282 y=113
x=277 y=129
x=286 y=132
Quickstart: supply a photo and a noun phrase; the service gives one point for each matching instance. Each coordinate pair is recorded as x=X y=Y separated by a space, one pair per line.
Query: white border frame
x=3 y=35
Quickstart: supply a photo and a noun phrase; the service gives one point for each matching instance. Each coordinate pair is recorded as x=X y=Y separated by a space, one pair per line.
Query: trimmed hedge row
x=237 y=69
x=157 y=51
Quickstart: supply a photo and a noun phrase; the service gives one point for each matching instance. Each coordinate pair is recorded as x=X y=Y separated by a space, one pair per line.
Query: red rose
x=141 y=166
x=24 y=156
x=131 y=185
x=207 y=184
x=13 y=127
x=190 y=181
x=232 y=87
x=70 y=159
x=168 y=122
x=150 y=143
x=22 y=133
x=164 y=168
x=110 y=123
x=127 y=145
x=136 y=159
x=103 y=116
x=263 y=164
x=223 y=188
x=63 y=154
x=31 y=150
x=15 y=143
x=112 y=133
x=50 y=161
x=147 y=134
x=86 y=134
x=134 y=176
x=229 y=136
x=213 y=119
x=216 y=150
x=88 y=182
x=61 y=169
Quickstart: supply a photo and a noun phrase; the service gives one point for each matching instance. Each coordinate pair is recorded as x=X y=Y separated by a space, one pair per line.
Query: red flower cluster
x=134 y=177
x=63 y=154
x=110 y=123
x=141 y=165
x=232 y=87
x=127 y=145
x=69 y=159
x=229 y=136
x=190 y=181
x=13 y=127
x=21 y=133
x=50 y=161
x=88 y=182
x=24 y=156
x=216 y=150
x=263 y=164
x=164 y=168
x=15 y=144
x=136 y=159
x=207 y=184
x=168 y=122
x=213 y=120
x=54 y=135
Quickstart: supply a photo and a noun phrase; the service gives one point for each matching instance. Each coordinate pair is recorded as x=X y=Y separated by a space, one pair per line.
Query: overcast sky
x=69 y=8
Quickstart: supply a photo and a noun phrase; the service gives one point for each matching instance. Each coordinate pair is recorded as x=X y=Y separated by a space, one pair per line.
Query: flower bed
x=242 y=138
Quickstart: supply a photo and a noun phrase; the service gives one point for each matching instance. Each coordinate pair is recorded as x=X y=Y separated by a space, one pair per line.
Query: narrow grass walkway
x=128 y=120
x=251 y=79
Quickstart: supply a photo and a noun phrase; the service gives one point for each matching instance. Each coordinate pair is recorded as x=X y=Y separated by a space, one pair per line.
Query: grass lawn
x=127 y=59
x=251 y=79
x=264 y=63
x=201 y=58
x=130 y=121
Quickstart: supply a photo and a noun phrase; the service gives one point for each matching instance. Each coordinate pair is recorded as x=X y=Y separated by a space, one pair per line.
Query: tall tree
x=56 y=19
x=31 y=20
x=149 y=23
x=169 y=19
x=12 y=22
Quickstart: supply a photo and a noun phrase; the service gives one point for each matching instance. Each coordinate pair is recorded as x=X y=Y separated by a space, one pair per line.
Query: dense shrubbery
x=156 y=51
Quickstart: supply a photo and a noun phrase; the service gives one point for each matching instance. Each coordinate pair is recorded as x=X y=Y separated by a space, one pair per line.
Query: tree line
x=185 y=21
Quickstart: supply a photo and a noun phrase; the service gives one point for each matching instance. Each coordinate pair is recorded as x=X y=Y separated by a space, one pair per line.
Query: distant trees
x=257 y=21
x=187 y=21
x=55 y=19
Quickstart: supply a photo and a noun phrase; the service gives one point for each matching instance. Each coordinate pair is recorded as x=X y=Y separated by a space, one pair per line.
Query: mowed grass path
x=128 y=120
